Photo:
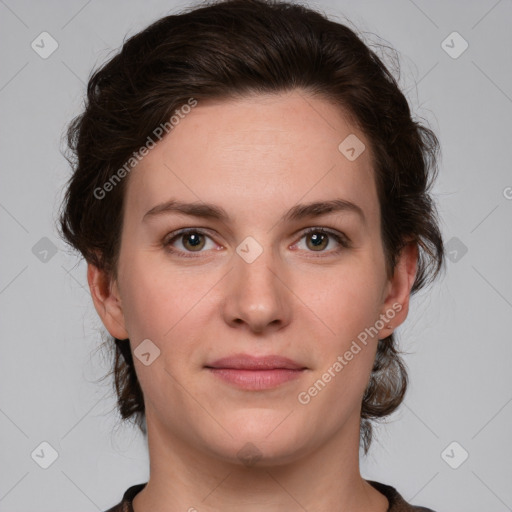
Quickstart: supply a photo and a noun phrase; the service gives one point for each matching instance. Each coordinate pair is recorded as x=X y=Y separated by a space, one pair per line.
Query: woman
x=275 y=144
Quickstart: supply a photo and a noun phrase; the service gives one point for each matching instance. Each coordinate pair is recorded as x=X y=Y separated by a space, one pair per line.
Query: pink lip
x=247 y=362
x=256 y=373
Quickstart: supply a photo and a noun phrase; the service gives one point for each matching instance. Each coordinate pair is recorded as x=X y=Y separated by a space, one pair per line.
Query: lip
x=256 y=373
x=248 y=362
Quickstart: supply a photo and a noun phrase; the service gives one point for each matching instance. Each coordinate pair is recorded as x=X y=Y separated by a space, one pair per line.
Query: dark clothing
x=396 y=502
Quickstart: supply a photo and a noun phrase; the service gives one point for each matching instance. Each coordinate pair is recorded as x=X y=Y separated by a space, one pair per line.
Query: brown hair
x=229 y=49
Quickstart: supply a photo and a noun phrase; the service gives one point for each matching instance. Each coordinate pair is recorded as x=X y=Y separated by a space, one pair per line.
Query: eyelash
x=341 y=239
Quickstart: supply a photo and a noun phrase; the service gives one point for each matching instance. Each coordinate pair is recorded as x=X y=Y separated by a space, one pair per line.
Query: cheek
x=162 y=306
x=347 y=308
x=157 y=297
x=346 y=300
x=344 y=357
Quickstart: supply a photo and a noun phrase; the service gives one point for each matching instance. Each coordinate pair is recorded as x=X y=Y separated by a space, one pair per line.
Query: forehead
x=257 y=154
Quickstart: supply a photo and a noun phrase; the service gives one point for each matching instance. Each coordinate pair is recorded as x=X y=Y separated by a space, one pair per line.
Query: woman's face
x=255 y=283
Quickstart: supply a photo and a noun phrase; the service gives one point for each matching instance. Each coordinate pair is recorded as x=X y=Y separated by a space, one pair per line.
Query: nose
x=257 y=296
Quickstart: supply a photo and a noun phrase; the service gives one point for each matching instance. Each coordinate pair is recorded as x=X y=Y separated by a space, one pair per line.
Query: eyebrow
x=297 y=212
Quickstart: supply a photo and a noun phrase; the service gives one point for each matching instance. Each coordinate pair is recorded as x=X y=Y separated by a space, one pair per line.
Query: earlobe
x=105 y=296
x=396 y=303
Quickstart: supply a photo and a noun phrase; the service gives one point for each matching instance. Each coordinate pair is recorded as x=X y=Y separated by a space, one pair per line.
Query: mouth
x=256 y=373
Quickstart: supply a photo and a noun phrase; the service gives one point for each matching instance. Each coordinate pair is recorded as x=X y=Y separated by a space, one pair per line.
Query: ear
x=105 y=295
x=398 y=291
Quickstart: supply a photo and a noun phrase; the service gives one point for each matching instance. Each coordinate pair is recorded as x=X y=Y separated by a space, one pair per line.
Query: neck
x=183 y=477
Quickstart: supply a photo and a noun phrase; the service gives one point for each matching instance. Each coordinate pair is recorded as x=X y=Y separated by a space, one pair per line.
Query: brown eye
x=186 y=242
x=319 y=240
x=193 y=241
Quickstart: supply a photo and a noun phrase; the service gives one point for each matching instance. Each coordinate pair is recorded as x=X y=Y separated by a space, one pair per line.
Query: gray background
x=457 y=335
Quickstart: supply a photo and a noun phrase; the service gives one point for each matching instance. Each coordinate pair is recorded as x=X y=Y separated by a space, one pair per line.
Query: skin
x=255 y=157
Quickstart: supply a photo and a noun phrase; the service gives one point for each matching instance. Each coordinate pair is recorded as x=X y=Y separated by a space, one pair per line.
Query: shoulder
x=396 y=501
x=125 y=505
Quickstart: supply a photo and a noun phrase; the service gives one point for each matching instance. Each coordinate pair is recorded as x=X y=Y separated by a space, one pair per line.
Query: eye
x=192 y=240
x=320 y=240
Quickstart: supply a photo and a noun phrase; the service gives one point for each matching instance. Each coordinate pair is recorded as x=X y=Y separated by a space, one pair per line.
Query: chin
x=263 y=439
